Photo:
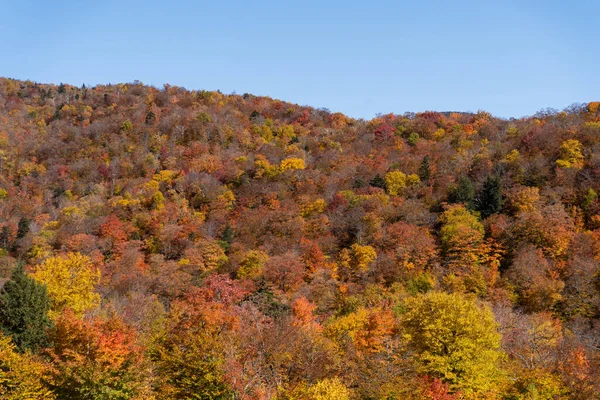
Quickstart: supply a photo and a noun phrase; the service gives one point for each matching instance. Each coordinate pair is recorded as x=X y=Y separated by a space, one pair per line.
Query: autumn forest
x=163 y=243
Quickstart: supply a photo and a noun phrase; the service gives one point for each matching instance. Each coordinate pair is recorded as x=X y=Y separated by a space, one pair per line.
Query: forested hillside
x=176 y=244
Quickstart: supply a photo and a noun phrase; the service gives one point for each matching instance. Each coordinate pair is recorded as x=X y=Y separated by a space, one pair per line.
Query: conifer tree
x=463 y=193
x=425 y=170
x=24 y=306
x=378 y=181
x=489 y=199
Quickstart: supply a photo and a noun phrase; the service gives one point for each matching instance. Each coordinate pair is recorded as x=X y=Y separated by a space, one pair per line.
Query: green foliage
x=425 y=169
x=413 y=139
x=590 y=198
x=378 y=181
x=23 y=228
x=204 y=118
x=24 y=306
x=127 y=126
x=463 y=193
x=489 y=200
x=421 y=283
x=226 y=237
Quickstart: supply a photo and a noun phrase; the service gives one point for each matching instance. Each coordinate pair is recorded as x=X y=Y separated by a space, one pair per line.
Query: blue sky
x=511 y=58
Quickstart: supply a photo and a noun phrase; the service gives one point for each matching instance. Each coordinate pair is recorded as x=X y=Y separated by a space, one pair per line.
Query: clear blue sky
x=508 y=57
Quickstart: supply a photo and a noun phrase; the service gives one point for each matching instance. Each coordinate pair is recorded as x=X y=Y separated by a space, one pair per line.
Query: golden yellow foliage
x=317 y=207
x=454 y=339
x=395 y=182
x=292 y=163
x=593 y=107
x=439 y=134
x=329 y=389
x=570 y=154
x=358 y=258
x=512 y=156
x=264 y=168
x=525 y=199
x=31 y=168
x=413 y=179
x=20 y=375
x=70 y=280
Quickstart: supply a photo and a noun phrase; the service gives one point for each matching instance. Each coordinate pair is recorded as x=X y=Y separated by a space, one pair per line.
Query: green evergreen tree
x=489 y=199
x=378 y=181
x=5 y=237
x=425 y=170
x=226 y=237
x=23 y=228
x=464 y=192
x=24 y=306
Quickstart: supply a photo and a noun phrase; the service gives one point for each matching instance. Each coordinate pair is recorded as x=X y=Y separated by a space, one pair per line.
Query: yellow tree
x=570 y=154
x=357 y=259
x=70 y=280
x=455 y=339
x=395 y=182
x=292 y=163
x=253 y=264
x=329 y=389
x=20 y=374
x=464 y=250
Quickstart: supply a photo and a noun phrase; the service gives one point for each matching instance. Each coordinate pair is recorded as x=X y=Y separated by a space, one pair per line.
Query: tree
x=395 y=182
x=292 y=163
x=425 y=169
x=460 y=235
x=464 y=192
x=378 y=181
x=226 y=237
x=188 y=355
x=252 y=264
x=24 y=306
x=21 y=375
x=357 y=259
x=99 y=359
x=329 y=389
x=472 y=261
x=366 y=329
x=535 y=280
x=489 y=199
x=454 y=339
x=413 y=139
x=70 y=280
x=570 y=155
x=23 y=228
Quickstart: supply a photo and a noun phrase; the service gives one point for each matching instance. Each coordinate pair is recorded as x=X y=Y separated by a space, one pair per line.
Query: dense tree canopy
x=194 y=244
